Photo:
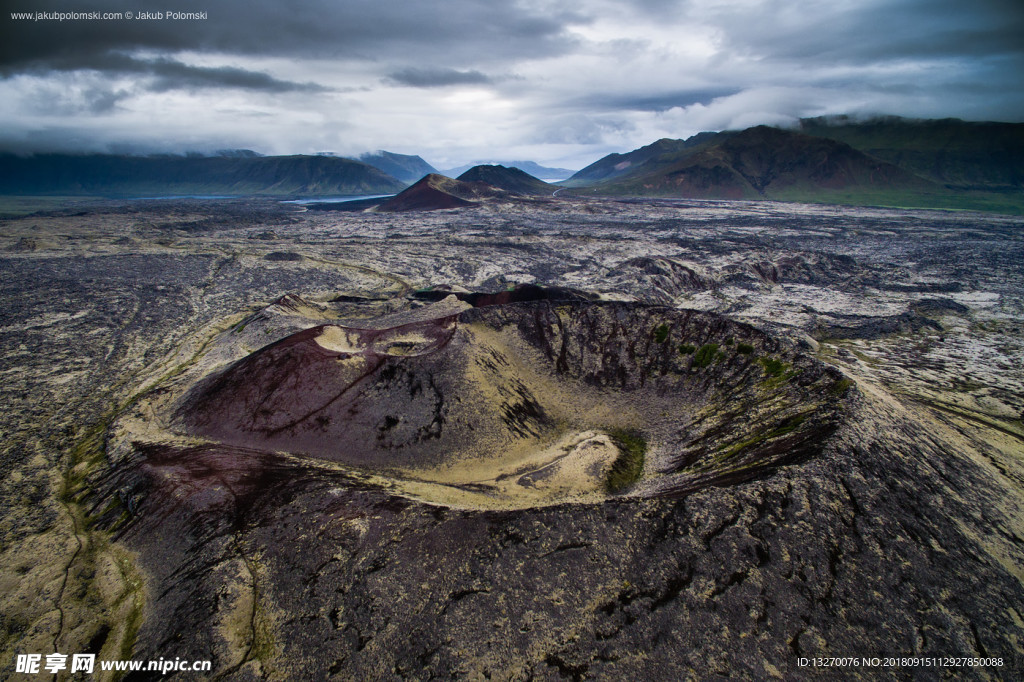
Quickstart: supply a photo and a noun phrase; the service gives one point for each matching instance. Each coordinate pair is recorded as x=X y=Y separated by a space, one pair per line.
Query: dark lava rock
x=939 y=306
x=781 y=514
x=869 y=327
x=819 y=269
x=659 y=279
x=279 y=256
x=522 y=293
x=23 y=245
x=435 y=192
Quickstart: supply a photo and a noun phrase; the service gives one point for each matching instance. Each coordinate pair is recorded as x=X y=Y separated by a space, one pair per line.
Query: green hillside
x=510 y=179
x=405 y=167
x=960 y=154
x=126 y=176
x=785 y=165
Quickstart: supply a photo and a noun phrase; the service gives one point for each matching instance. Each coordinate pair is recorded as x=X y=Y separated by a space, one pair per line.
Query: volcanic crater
x=527 y=399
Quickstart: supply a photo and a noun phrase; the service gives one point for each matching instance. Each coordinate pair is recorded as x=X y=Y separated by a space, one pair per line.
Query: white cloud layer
x=460 y=80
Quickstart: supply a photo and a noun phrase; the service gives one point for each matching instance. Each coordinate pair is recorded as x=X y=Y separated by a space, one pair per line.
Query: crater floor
x=510 y=405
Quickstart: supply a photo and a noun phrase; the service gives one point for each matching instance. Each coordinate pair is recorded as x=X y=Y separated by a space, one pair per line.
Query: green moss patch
x=705 y=355
x=785 y=427
x=629 y=465
x=772 y=366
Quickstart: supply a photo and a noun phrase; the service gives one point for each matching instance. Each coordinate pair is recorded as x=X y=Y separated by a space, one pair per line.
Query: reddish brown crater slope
x=714 y=400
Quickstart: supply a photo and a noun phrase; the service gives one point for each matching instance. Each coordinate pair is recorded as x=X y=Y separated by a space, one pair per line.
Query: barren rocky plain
x=545 y=439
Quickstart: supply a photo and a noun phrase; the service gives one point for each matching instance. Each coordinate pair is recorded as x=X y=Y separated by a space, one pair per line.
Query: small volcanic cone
x=509 y=179
x=435 y=192
x=529 y=403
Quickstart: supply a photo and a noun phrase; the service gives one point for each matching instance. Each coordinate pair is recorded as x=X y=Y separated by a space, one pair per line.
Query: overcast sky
x=463 y=80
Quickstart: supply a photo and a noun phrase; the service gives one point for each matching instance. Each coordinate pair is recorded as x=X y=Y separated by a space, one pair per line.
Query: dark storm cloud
x=168 y=74
x=604 y=101
x=358 y=29
x=61 y=99
x=102 y=100
x=172 y=75
x=879 y=31
x=436 y=78
x=602 y=75
x=923 y=50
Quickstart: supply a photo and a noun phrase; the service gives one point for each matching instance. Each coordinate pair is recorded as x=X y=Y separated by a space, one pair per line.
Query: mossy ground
x=629 y=466
x=118 y=607
x=705 y=355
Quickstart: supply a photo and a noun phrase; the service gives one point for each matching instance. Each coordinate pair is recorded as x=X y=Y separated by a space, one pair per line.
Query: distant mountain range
x=617 y=165
x=529 y=167
x=892 y=162
x=958 y=154
x=757 y=163
x=885 y=161
x=241 y=174
x=406 y=168
x=508 y=179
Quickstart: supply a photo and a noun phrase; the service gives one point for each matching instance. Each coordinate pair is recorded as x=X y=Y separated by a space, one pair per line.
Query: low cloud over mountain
x=472 y=79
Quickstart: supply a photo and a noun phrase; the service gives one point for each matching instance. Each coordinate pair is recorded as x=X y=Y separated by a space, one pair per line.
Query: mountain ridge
x=121 y=176
x=959 y=154
x=509 y=179
x=765 y=162
x=530 y=167
x=437 y=192
x=408 y=168
x=616 y=164
x=759 y=162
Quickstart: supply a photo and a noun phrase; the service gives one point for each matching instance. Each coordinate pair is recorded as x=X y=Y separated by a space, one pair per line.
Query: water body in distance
x=337 y=200
x=308 y=200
